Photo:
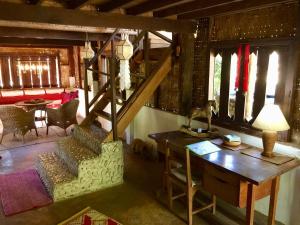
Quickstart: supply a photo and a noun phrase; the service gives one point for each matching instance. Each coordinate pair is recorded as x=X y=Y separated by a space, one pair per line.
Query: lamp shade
x=124 y=49
x=271 y=118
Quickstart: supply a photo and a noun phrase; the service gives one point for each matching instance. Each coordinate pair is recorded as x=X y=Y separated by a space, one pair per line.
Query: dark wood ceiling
x=180 y=9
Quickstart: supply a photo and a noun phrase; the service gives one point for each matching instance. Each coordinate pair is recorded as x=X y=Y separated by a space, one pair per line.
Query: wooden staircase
x=135 y=102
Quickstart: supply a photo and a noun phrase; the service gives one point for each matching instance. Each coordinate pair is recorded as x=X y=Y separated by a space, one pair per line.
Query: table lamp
x=270 y=120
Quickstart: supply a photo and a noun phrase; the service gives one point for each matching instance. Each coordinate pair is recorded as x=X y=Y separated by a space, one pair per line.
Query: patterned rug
x=89 y=216
x=22 y=191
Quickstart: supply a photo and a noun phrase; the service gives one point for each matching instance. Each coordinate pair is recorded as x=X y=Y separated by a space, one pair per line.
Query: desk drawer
x=225 y=185
x=229 y=178
x=222 y=189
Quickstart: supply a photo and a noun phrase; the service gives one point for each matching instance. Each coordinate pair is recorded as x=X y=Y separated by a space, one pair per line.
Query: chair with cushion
x=63 y=116
x=17 y=121
x=178 y=172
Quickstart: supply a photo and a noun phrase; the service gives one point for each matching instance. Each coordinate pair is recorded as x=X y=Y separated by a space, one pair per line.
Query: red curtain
x=246 y=68
x=238 y=70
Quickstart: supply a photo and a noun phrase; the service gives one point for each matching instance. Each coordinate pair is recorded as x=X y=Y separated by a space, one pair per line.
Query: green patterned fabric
x=75 y=168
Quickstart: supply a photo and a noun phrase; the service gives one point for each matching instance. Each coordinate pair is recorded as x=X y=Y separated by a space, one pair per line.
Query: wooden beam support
x=191 y=6
x=29 y=16
x=73 y=4
x=232 y=8
x=113 y=93
x=85 y=86
x=9 y=41
x=187 y=68
x=18 y=32
x=110 y=5
x=31 y=2
x=149 y=6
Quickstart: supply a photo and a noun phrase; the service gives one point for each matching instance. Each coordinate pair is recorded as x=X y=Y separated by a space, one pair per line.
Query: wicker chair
x=17 y=121
x=64 y=116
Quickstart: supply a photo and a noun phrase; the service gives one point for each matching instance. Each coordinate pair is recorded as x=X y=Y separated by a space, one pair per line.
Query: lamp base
x=269 y=138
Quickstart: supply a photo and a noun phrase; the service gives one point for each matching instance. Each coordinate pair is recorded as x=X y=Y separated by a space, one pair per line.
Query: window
x=243 y=79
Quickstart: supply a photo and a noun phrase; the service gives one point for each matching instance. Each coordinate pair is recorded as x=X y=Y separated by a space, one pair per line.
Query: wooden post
x=79 y=67
x=95 y=65
x=187 y=66
x=113 y=92
x=146 y=53
x=71 y=61
x=86 y=88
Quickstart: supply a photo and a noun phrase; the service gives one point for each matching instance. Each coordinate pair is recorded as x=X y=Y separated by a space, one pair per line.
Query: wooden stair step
x=72 y=152
x=103 y=114
x=53 y=171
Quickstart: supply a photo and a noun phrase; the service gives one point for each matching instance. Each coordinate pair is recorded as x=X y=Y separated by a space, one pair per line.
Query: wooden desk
x=234 y=177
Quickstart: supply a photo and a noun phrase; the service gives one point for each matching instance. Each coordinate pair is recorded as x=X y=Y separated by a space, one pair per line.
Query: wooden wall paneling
x=188 y=7
x=53 y=72
x=294 y=68
x=256 y=24
x=242 y=7
x=35 y=78
x=186 y=71
x=5 y=72
x=71 y=61
x=15 y=76
x=201 y=64
x=59 y=83
x=27 y=80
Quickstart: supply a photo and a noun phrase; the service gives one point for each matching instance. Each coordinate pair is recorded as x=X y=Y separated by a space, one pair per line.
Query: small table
x=27 y=105
x=234 y=177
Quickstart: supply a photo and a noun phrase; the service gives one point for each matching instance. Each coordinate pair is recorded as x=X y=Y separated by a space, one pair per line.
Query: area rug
x=22 y=191
x=89 y=216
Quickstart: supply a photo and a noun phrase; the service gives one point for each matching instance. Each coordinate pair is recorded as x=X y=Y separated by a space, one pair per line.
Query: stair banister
x=113 y=92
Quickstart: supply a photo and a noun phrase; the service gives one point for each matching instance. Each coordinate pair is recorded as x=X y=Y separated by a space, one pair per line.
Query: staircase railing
x=102 y=98
x=90 y=62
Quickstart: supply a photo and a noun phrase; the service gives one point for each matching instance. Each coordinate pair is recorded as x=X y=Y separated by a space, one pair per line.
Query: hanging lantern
x=124 y=51
x=88 y=52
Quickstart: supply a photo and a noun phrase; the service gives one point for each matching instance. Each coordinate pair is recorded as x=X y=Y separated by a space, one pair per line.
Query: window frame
x=285 y=86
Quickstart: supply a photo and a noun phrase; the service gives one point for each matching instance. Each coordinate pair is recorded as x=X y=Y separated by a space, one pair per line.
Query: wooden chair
x=63 y=116
x=17 y=121
x=178 y=172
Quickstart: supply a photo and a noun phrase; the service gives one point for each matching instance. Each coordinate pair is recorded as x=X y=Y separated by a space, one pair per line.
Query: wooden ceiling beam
x=32 y=2
x=191 y=6
x=33 y=15
x=73 y=4
x=16 y=32
x=111 y=5
x=9 y=41
x=149 y=6
x=232 y=8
